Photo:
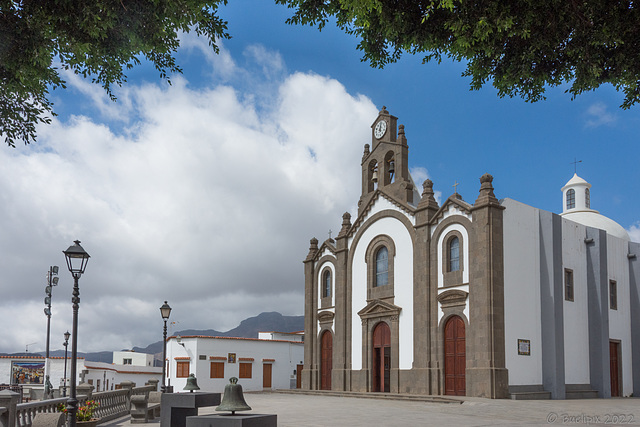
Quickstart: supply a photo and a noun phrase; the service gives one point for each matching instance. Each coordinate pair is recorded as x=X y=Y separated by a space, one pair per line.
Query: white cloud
x=634 y=232
x=420 y=175
x=222 y=63
x=208 y=201
x=597 y=115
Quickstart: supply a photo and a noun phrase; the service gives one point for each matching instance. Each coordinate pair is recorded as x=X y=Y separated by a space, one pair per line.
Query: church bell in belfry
x=233 y=400
x=192 y=383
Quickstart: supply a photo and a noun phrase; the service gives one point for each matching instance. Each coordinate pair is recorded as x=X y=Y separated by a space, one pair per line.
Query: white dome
x=594 y=219
x=576 y=207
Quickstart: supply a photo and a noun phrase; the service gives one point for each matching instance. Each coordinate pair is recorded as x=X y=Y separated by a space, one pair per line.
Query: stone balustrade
x=112 y=404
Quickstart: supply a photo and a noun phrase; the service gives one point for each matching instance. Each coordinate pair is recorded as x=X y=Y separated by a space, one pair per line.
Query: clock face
x=380 y=129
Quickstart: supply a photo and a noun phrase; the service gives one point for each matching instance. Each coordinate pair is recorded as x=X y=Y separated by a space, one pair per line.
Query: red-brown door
x=326 y=363
x=454 y=357
x=266 y=375
x=614 y=367
x=299 y=376
x=381 y=357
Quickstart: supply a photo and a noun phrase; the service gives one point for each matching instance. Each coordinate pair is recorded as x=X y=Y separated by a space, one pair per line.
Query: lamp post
x=51 y=282
x=165 y=312
x=64 y=380
x=77 y=259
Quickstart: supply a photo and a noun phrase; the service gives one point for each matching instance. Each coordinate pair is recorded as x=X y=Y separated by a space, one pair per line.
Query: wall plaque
x=524 y=347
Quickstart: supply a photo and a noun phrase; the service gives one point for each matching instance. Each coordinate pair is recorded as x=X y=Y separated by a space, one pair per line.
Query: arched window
x=454 y=254
x=571 y=198
x=382 y=266
x=587 y=198
x=326 y=284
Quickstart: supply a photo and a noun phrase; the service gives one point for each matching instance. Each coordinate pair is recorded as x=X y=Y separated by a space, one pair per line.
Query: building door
x=326 y=353
x=614 y=348
x=381 y=357
x=299 y=376
x=266 y=375
x=454 y=357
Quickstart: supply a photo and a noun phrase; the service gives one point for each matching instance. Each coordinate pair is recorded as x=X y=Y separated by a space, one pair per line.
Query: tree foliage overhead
x=97 y=39
x=522 y=46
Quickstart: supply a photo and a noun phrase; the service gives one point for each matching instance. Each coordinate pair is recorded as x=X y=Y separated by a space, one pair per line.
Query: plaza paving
x=295 y=409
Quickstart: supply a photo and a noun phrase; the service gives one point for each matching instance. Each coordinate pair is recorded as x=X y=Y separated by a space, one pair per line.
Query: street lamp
x=64 y=380
x=51 y=282
x=165 y=312
x=77 y=259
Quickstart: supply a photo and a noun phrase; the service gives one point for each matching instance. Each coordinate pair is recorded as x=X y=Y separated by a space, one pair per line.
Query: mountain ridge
x=248 y=328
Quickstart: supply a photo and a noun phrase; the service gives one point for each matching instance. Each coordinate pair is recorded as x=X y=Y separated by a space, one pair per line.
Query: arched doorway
x=326 y=352
x=381 y=357
x=454 y=357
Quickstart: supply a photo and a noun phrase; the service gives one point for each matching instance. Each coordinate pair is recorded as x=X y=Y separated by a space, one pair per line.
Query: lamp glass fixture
x=165 y=311
x=77 y=258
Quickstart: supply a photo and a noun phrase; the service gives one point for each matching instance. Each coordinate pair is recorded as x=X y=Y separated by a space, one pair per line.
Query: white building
x=258 y=364
x=29 y=371
x=571 y=298
x=491 y=298
x=130 y=357
x=106 y=376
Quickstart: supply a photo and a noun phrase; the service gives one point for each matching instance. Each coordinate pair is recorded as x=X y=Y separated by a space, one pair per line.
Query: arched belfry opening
x=389 y=153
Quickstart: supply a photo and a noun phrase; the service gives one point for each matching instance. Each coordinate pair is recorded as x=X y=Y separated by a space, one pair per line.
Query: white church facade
x=492 y=298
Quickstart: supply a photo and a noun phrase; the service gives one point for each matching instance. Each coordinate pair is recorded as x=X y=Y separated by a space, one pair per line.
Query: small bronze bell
x=192 y=383
x=233 y=400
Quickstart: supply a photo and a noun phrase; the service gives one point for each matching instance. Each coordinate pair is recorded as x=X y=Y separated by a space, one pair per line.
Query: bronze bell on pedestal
x=233 y=400
x=192 y=383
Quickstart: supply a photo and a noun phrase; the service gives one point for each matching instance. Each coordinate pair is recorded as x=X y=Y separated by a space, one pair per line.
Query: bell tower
x=385 y=167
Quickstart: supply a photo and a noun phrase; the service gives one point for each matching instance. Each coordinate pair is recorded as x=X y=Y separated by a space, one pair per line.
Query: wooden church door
x=326 y=363
x=381 y=357
x=614 y=368
x=454 y=357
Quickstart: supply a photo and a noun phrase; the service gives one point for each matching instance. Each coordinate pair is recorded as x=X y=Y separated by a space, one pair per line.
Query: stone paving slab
x=299 y=410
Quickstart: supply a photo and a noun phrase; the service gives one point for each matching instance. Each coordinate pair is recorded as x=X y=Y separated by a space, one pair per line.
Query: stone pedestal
x=176 y=407
x=237 y=420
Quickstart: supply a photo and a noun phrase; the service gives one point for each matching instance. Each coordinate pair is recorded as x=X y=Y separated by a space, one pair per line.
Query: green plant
x=85 y=411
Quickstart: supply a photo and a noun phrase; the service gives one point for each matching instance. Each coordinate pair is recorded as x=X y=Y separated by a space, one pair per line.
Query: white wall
x=576 y=312
x=56 y=369
x=522 y=292
x=105 y=376
x=403 y=287
x=287 y=355
x=620 y=319
x=137 y=359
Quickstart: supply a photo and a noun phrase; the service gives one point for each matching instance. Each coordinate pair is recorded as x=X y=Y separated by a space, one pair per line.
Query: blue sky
x=206 y=193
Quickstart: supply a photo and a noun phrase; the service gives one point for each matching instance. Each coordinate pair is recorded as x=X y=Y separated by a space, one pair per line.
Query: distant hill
x=248 y=328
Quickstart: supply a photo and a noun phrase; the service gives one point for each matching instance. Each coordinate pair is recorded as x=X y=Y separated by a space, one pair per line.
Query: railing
x=16 y=388
x=26 y=412
x=111 y=404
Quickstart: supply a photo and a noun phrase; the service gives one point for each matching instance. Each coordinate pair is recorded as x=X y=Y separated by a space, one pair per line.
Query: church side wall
x=403 y=288
x=522 y=293
x=576 y=312
x=620 y=318
x=634 y=299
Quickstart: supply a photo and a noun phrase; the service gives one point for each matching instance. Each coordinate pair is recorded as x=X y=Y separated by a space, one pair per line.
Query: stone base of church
x=492 y=383
x=360 y=380
x=415 y=381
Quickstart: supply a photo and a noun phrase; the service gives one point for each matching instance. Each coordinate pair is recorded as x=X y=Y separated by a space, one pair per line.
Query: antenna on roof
x=575 y=165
